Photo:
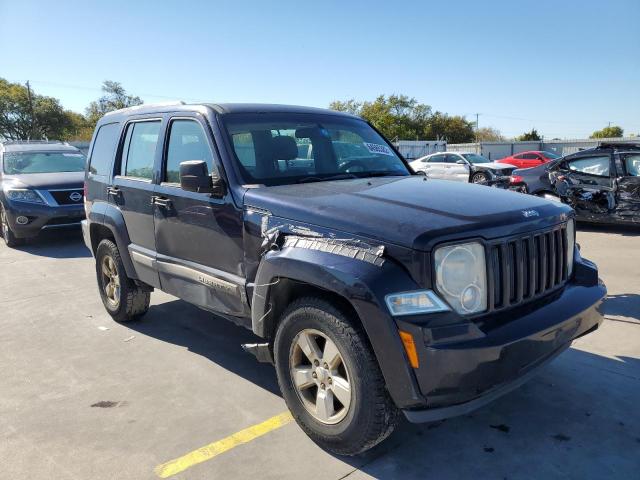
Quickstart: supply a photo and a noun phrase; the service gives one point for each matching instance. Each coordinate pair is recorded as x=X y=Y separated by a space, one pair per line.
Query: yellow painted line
x=214 y=449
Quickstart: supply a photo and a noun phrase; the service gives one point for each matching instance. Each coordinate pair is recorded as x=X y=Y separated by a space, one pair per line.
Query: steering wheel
x=356 y=164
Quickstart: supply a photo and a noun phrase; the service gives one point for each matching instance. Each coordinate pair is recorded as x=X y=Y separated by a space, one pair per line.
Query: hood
x=408 y=211
x=46 y=181
x=493 y=166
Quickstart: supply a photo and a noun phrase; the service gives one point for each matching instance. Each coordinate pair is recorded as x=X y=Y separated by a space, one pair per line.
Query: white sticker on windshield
x=379 y=149
x=71 y=154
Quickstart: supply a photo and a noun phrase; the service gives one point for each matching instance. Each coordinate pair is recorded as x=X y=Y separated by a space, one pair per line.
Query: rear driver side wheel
x=123 y=299
x=330 y=378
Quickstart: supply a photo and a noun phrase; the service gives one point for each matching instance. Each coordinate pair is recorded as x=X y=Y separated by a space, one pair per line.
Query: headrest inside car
x=284 y=148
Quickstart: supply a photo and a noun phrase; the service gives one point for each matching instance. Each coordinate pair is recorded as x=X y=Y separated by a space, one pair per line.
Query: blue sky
x=564 y=67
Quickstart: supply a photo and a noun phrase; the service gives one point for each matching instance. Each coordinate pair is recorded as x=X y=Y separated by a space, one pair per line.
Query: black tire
x=8 y=236
x=480 y=178
x=372 y=415
x=132 y=300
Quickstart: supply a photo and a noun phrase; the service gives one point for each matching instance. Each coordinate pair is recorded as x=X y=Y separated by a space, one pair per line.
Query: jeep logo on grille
x=75 y=196
x=530 y=213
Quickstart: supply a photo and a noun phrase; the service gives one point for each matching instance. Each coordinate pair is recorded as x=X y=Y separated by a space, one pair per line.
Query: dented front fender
x=361 y=280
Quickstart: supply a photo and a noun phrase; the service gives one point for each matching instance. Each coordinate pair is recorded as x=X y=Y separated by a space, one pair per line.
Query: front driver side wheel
x=9 y=237
x=123 y=299
x=480 y=178
x=330 y=378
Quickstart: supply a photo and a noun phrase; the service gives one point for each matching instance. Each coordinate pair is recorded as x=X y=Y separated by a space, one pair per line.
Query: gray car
x=41 y=187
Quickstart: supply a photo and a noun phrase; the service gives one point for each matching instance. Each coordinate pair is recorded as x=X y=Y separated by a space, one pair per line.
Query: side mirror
x=461 y=162
x=194 y=177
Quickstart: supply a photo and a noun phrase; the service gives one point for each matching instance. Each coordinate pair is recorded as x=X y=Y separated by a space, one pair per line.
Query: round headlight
x=461 y=276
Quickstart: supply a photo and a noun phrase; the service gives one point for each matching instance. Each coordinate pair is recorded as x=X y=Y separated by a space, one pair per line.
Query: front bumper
x=41 y=217
x=499 y=182
x=518 y=187
x=463 y=367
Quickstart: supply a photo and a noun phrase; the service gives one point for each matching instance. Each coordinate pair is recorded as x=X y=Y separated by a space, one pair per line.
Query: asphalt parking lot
x=82 y=397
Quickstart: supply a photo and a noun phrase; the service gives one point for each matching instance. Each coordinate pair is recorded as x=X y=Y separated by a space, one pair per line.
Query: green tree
x=24 y=116
x=607 y=132
x=115 y=97
x=529 y=136
x=404 y=118
x=396 y=116
x=79 y=128
x=489 y=134
x=453 y=129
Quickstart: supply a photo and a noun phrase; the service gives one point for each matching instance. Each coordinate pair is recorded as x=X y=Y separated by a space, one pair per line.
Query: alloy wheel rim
x=110 y=281
x=479 y=179
x=320 y=376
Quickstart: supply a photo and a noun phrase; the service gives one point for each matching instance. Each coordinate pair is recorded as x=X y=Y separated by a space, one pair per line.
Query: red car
x=529 y=159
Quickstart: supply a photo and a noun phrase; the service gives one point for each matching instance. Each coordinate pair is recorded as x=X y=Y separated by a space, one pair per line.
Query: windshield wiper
x=342 y=176
x=383 y=174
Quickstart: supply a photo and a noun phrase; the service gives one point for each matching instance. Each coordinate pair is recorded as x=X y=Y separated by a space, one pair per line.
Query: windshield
x=475 y=158
x=16 y=163
x=550 y=155
x=285 y=148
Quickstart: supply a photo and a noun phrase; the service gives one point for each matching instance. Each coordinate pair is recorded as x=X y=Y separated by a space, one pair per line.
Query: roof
x=621 y=144
x=220 y=108
x=38 y=147
x=272 y=108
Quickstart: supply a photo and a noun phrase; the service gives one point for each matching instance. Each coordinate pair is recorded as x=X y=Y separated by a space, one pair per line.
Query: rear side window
x=104 y=148
x=187 y=141
x=597 y=166
x=139 y=149
x=436 y=159
x=632 y=164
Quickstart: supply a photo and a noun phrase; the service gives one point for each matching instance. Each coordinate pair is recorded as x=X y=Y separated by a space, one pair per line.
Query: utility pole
x=33 y=119
x=477 y=118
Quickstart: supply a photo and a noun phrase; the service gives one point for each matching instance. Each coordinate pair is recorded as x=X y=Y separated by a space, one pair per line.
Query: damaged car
x=375 y=292
x=602 y=184
x=464 y=167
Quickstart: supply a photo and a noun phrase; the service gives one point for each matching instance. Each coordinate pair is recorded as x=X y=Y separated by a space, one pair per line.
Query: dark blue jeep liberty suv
x=376 y=291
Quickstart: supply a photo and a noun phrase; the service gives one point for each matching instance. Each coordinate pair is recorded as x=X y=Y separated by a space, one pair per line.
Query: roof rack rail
x=26 y=142
x=146 y=105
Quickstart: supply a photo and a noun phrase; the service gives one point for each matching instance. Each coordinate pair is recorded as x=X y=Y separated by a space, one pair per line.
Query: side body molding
x=364 y=286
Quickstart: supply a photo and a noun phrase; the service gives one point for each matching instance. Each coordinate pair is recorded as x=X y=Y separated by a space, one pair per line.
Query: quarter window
x=598 y=166
x=187 y=141
x=139 y=149
x=632 y=165
x=104 y=148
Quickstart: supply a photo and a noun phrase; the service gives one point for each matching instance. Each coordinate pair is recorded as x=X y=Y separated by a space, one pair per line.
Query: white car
x=464 y=167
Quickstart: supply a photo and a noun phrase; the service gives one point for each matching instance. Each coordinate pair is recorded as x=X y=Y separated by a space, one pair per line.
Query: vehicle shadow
x=575 y=419
x=625 y=305
x=57 y=244
x=208 y=335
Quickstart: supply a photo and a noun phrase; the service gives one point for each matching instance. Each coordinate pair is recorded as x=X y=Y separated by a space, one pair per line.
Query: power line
x=96 y=89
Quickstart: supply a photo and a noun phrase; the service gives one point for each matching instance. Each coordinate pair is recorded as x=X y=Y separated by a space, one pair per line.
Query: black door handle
x=161 y=201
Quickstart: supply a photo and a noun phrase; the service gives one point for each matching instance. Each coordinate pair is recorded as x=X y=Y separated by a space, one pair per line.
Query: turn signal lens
x=410 y=348
x=412 y=303
x=516 y=179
